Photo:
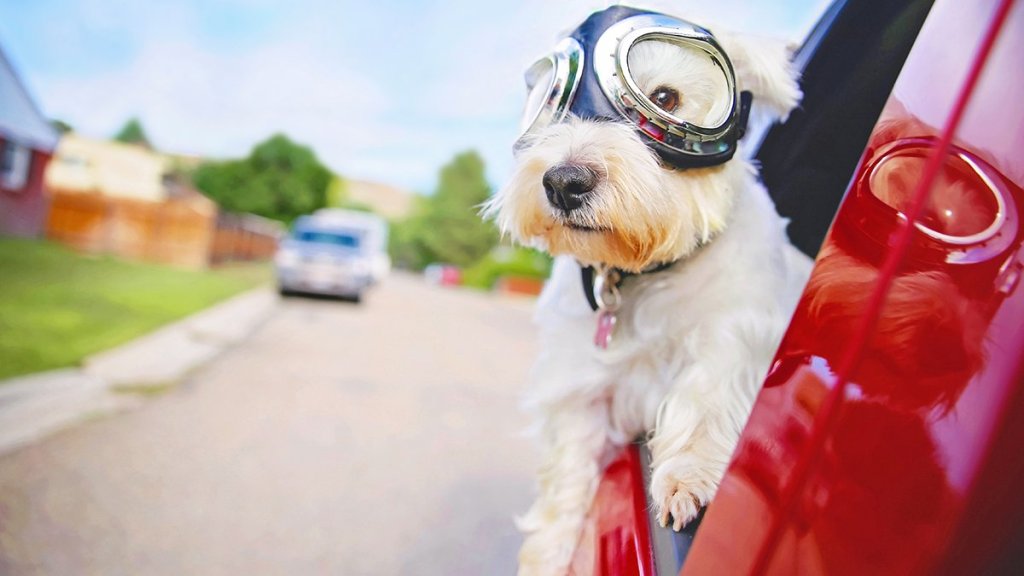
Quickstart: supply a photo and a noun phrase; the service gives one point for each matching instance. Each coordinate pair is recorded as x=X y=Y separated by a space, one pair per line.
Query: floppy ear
x=764 y=66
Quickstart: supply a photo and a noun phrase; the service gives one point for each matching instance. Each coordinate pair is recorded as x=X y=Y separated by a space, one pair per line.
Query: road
x=381 y=438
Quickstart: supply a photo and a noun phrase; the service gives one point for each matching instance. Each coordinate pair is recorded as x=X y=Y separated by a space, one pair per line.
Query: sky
x=386 y=90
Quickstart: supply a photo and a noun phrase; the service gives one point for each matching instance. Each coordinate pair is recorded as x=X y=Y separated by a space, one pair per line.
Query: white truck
x=333 y=251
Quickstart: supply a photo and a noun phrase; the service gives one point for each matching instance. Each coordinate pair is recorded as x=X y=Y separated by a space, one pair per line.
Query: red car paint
x=617 y=539
x=864 y=451
x=887 y=442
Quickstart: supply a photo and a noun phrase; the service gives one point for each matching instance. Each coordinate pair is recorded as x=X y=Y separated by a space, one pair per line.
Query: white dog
x=709 y=280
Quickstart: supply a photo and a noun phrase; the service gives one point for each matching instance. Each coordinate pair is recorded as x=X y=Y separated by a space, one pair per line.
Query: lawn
x=58 y=306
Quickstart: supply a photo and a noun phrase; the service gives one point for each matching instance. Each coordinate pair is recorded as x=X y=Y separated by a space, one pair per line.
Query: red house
x=27 y=141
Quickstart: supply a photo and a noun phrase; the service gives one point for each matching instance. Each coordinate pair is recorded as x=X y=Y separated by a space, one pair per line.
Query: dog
x=694 y=278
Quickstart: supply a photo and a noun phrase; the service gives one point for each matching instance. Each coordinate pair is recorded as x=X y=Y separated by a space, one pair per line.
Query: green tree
x=132 y=133
x=338 y=196
x=279 y=179
x=61 y=126
x=446 y=227
x=405 y=240
x=337 y=192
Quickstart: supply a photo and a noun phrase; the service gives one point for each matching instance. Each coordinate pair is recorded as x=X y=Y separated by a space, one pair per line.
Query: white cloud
x=379 y=91
x=194 y=100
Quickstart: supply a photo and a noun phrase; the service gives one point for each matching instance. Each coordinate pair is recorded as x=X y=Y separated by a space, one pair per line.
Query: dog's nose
x=567 y=185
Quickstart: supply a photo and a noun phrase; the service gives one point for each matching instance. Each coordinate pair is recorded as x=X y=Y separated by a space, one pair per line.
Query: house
x=27 y=141
x=123 y=199
x=133 y=202
x=116 y=170
x=387 y=201
x=113 y=169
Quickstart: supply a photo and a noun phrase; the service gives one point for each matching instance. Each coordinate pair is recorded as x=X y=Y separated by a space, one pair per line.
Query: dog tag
x=605 y=327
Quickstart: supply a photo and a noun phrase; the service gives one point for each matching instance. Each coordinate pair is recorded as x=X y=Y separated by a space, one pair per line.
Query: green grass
x=144 y=390
x=57 y=306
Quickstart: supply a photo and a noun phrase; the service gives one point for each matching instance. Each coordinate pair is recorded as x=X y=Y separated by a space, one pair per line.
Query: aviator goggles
x=588 y=76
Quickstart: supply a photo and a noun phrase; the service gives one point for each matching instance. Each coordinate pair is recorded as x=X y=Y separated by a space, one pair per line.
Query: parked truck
x=334 y=252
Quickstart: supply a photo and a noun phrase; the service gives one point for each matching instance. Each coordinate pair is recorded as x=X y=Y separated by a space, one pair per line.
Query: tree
x=338 y=196
x=61 y=126
x=279 y=179
x=132 y=133
x=446 y=227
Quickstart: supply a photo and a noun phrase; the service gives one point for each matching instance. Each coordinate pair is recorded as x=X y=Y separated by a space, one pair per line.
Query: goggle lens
x=540 y=80
x=678 y=82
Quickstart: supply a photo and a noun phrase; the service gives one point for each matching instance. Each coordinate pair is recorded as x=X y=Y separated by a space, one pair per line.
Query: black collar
x=621 y=275
x=588 y=279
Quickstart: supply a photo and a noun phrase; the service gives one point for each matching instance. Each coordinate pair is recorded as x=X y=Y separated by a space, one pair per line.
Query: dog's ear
x=764 y=66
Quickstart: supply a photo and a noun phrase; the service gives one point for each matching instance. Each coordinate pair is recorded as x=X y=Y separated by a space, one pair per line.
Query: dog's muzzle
x=588 y=76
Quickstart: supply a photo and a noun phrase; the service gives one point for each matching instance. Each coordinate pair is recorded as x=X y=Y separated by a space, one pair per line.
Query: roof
x=388 y=201
x=20 y=119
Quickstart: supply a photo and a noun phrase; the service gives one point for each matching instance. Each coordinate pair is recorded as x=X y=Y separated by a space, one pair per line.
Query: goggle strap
x=746 y=99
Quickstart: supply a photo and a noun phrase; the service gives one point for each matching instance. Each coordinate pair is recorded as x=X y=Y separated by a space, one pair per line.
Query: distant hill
x=388 y=201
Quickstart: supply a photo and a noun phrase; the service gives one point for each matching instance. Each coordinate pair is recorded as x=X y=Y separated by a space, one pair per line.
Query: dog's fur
x=693 y=342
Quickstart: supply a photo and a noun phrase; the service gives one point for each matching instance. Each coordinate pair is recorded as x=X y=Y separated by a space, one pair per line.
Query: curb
x=36 y=405
x=171 y=352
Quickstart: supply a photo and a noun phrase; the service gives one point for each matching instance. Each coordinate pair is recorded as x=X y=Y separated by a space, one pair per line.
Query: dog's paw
x=680 y=486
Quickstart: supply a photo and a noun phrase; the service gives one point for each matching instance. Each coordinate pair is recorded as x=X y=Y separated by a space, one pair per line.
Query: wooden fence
x=244 y=237
x=180 y=232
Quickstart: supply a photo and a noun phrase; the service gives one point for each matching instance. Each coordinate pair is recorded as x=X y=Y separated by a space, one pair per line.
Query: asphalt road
x=381 y=438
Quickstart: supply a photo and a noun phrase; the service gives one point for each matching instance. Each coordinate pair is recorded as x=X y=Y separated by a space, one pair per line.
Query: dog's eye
x=665 y=98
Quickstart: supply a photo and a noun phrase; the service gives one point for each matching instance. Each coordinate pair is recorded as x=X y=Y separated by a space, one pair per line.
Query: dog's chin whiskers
x=580 y=228
x=582 y=220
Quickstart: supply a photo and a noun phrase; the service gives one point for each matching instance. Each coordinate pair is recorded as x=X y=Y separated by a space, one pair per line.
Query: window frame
x=15 y=166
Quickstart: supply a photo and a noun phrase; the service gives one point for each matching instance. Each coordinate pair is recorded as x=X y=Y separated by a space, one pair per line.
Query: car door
x=882 y=440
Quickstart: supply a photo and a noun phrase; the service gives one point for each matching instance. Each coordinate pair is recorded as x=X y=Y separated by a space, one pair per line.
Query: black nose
x=567 y=185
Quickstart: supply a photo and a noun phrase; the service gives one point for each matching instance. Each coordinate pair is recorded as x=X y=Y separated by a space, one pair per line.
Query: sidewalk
x=36 y=405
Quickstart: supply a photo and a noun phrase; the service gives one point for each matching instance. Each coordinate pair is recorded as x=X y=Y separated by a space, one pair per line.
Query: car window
x=345 y=240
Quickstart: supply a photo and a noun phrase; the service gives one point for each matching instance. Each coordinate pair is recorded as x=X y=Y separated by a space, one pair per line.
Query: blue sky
x=385 y=90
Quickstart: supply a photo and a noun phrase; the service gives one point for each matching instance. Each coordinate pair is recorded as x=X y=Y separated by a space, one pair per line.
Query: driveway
x=381 y=438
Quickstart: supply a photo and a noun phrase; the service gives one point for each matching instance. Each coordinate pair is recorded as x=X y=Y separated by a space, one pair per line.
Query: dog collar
x=616 y=276
x=588 y=76
x=610 y=276
x=601 y=285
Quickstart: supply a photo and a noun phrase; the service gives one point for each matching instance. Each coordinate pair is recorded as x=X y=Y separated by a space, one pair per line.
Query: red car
x=443 y=274
x=887 y=437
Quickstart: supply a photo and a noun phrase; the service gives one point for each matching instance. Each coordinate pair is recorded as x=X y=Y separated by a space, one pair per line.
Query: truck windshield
x=343 y=239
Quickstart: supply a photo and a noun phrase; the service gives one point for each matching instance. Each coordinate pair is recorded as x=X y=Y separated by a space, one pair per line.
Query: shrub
x=507 y=261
